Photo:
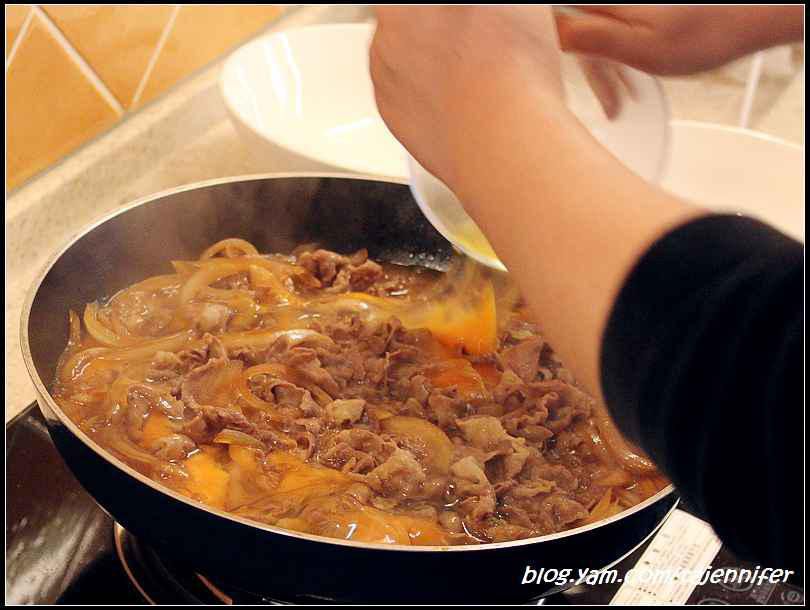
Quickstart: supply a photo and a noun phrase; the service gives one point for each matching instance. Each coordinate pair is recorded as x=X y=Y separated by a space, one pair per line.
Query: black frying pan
x=277 y=213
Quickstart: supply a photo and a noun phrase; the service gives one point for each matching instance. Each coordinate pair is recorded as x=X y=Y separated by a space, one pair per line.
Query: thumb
x=597 y=35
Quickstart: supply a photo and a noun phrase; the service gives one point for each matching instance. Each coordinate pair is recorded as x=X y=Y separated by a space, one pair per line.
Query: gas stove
x=61 y=547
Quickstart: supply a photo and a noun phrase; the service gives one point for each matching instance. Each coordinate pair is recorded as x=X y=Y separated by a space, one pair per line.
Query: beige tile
x=200 y=34
x=51 y=107
x=15 y=15
x=117 y=40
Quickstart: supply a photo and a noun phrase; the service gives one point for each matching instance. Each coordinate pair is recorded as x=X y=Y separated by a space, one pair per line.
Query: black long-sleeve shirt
x=702 y=366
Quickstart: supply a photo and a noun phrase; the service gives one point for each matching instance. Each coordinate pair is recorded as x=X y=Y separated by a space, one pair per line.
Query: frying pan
x=277 y=212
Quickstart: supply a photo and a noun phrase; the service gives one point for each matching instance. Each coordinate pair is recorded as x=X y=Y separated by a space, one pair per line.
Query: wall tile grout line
x=164 y=35
x=77 y=59
x=20 y=35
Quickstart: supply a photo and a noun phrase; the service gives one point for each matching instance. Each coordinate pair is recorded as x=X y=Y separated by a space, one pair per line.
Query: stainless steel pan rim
x=44 y=394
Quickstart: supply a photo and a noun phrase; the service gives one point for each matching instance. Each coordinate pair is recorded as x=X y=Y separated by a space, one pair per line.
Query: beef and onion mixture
x=332 y=395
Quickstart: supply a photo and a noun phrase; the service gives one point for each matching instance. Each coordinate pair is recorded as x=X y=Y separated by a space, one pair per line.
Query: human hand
x=609 y=82
x=475 y=94
x=674 y=40
x=443 y=75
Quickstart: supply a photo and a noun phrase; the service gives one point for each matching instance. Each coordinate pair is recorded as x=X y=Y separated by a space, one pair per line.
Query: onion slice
x=228 y=246
x=99 y=331
x=227 y=436
x=627 y=457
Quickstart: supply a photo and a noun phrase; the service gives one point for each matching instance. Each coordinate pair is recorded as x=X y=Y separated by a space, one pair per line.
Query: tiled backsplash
x=73 y=71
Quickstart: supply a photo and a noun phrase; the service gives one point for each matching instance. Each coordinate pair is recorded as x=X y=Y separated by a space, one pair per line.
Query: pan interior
x=276 y=215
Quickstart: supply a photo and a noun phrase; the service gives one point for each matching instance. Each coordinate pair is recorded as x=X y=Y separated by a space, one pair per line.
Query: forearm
x=762 y=27
x=676 y=40
x=567 y=219
x=702 y=366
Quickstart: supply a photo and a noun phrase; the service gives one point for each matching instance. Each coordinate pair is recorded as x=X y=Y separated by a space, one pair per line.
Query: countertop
x=187 y=137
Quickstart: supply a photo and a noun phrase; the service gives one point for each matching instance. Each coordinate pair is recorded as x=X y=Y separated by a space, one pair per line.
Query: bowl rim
x=415 y=169
x=737 y=130
x=44 y=394
x=286 y=144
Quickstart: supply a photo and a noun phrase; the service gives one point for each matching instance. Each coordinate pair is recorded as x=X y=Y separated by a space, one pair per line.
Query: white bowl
x=726 y=169
x=302 y=99
x=730 y=169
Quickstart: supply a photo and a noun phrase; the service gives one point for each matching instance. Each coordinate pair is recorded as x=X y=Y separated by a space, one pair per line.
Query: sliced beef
x=524 y=459
x=293 y=401
x=357 y=451
x=523 y=358
x=306 y=364
x=561 y=478
x=511 y=391
x=450 y=520
x=338 y=273
x=345 y=367
x=478 y=495
x=504 y=467
x=167 y=361
x=486 y=433
x=208 y=421
x=411 y=407
x=503 y=531
x=211 y=348
x=505 y=455
x=144 y=315
x=527 y=421
x=563 y=510
x=343 y=412
x=139 y=404
x=565 y=404
x=173 y=447
x=356 y=277
x=398 y=476
x=212 y=382
x=142 y=400
x=444 y=408
x=306 y=442
x=212 y=317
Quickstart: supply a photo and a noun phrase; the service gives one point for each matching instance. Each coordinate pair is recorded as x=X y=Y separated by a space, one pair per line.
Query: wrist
x=494 y=131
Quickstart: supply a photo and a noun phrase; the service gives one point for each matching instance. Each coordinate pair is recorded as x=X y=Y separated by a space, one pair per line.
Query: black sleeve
x=702 y=367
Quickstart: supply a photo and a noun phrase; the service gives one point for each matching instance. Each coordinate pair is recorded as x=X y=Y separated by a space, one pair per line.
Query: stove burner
x=164 y=581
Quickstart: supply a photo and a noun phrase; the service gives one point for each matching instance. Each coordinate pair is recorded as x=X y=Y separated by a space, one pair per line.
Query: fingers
x=592 y=34
x=610 y=83
x=611 y=11
x=634 y=44
x=622 y=72
x=604 y=83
